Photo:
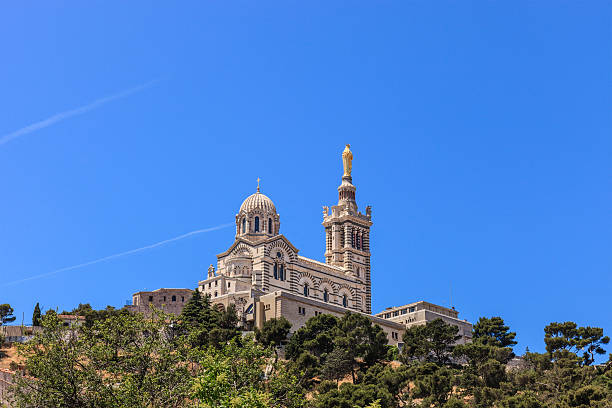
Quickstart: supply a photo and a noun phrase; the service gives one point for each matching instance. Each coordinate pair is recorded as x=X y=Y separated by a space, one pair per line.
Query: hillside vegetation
x=201 y=359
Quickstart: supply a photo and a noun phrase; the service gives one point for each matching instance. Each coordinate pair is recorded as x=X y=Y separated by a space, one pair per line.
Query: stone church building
x=264 y=276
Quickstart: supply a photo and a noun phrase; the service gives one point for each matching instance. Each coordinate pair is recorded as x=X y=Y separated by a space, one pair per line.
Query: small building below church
x=419 y=313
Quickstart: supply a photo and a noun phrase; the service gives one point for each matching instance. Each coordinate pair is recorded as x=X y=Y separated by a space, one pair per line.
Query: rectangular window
x=411 y=309
x=150 y=298
x=267 y=307
x=228 y=284
x=216 y=283
x=182 y=298
x=404 y=311
x=396 y=313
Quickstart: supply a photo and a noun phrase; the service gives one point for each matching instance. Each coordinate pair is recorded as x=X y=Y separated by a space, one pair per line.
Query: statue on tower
x=347 y=158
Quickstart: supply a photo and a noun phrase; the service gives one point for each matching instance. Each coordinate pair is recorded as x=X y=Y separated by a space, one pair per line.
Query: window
x=306 y=289
x=243 y=225
x=301 y=310
x=173 y=298
x=396 y=313
x=215 y=293
x=182 y=298
x=209 y=283
x=275 y=270
x=344 y=301
x=411 y=309
x=216 y=283
x=228 y=284
x=269 y=225
x=387 y=315
x=282 y=272
x=404 y=311
x=164 y=298
x=150 y=298
x=267 y=307
x=256 y=224
x=325 y=295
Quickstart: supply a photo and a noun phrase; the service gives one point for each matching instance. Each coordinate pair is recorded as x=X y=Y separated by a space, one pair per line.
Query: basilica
x=264 y=276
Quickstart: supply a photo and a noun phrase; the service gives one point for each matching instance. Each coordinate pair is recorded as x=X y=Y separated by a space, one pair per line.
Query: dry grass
x=10 y=355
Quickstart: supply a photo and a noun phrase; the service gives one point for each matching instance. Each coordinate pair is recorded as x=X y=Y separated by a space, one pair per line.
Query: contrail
x=109 y=257
x=74 y=112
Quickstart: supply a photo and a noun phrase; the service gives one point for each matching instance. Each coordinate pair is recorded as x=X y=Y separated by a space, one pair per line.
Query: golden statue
x=347 y=158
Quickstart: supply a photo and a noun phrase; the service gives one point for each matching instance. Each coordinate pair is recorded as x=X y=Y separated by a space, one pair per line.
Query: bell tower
x=347 y=232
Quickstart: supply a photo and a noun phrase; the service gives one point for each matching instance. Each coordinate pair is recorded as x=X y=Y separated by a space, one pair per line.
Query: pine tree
x=6 y=314
x=36 y=315
x=198 y=319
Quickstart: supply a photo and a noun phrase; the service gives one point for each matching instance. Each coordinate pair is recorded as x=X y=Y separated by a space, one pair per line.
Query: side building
x=167 y=299
x=419 y=313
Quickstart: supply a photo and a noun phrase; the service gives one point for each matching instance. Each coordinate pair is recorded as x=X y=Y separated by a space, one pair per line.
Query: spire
x=258 y=180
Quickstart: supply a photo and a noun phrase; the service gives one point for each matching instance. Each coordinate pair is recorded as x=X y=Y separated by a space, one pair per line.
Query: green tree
x=359 y=338
x=122 y=361
x=93 y=316
x=433 y=384
x=243 y=375
x=433 y=341
x=36 y=316
x=348 y=395
x=337 y=364
x=492 y=331
x=198 y=319
x=486 y=357
x=568 y=337
x=6 y=314
x=273 y=332
x=226 y=327
x=316 y=338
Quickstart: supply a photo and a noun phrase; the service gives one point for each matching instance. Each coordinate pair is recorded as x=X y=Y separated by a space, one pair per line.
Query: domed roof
x=258 y=201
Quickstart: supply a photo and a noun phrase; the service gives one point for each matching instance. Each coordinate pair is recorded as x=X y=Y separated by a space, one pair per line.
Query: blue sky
x=481 y=133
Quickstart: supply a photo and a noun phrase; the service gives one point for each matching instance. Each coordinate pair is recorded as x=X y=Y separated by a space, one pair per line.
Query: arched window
x=173 y=298
x=256 y=224
x=243 y=225
x=215 y=294
x=344 y=301
x=275 y=270
x=282 y=272
x=269 y=225
x=306 y=289
x=325 y=295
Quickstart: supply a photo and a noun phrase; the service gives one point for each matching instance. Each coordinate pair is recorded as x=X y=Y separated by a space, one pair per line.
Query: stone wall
x=167 y=299
x=6 y=380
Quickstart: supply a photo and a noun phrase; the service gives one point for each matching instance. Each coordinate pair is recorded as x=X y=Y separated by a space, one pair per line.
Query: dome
x=260 y=202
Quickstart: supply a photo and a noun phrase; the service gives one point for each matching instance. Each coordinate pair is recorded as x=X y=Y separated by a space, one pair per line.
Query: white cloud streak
x=73 y=112
x=120 y=254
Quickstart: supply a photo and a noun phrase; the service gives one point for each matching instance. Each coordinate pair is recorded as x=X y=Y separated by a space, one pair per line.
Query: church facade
x=263 y=274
